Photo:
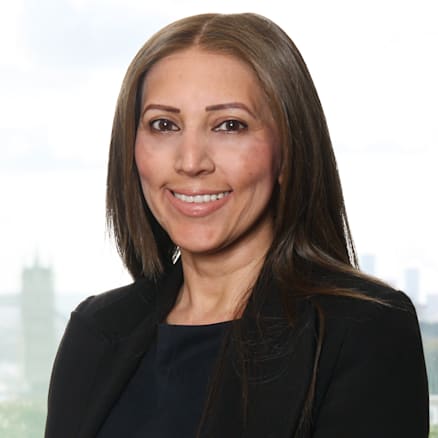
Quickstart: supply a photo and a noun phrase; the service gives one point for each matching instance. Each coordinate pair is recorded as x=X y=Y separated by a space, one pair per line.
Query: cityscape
x=33 y=320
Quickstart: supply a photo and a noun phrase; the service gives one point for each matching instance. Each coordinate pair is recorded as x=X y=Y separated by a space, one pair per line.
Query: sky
x=374 y=64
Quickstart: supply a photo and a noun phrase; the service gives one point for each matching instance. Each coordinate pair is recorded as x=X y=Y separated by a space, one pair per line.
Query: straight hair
x=311 y=230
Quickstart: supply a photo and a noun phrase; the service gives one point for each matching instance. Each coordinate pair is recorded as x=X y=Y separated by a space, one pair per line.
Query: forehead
x=199 y=72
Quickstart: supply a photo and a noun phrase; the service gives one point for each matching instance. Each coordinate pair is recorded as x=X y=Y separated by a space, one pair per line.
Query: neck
x=217 y=286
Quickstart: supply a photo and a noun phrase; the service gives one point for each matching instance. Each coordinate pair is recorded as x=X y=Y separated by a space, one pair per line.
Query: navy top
x=166 y=395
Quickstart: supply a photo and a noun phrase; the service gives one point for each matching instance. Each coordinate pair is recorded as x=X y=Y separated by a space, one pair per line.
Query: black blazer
x=371 y=378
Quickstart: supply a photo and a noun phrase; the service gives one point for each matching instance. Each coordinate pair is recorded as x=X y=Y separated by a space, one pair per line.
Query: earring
x=176 y=254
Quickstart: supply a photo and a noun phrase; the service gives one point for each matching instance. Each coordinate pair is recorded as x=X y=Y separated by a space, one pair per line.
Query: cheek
x=148 y=186
x=144 y=163
x=265 y=157
x=145 y=174
x=259 y=167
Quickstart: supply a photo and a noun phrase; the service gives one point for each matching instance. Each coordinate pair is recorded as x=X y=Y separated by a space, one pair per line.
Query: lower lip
x=194 y=209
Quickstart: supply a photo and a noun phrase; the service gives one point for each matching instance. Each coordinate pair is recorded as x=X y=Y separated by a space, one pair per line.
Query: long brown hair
x=310 y=221
x=310 y=217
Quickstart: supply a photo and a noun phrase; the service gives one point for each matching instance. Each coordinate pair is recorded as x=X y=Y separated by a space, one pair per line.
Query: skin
x=206 y=128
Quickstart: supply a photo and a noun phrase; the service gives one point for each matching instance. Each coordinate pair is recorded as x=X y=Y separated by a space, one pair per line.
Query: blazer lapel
x=121 y=357
x=100 y=352
x=278 y=378
x=114 y=367
x=276 y=402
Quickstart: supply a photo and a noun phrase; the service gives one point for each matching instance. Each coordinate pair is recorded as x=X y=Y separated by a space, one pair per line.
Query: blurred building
x=38 y=325
x=10 y=347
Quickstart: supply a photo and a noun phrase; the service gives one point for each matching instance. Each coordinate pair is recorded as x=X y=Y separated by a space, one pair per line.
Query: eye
x=231 y=126
x=163 y=125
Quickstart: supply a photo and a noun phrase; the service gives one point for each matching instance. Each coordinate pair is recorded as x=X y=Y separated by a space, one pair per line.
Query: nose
x=193 y=156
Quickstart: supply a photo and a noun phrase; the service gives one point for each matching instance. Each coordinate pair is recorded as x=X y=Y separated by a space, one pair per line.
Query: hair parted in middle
x=311 y=231
x=310 y=222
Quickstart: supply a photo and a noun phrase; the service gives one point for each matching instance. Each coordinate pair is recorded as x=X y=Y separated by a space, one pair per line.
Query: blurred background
x=61 y=65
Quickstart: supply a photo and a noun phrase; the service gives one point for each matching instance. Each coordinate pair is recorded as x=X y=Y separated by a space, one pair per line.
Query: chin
x=198 y=248
x=196 y=239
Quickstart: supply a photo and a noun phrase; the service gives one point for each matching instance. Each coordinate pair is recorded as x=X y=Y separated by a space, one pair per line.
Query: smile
x=200 y=199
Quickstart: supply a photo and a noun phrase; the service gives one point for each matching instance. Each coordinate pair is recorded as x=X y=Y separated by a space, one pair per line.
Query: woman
x=248 y=316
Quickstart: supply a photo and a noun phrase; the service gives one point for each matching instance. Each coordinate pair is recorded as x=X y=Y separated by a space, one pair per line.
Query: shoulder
x=119 y=310
x=375 y=320
x=376 y=325
x=139 y=289
x=371 y=365
x=366 y=301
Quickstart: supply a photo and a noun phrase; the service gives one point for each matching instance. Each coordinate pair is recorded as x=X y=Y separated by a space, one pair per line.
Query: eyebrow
x=156 y=106
x=218 y=107
x=229 y=105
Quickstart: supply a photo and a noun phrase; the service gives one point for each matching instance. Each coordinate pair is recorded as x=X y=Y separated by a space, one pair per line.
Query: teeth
x=199 y=199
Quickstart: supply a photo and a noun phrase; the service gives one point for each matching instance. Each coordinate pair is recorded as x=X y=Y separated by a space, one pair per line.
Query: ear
x=280 y=174
x=280 y=178
x=279 y=164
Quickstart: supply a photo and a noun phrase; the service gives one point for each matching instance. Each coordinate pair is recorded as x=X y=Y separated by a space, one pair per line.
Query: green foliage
x=22 y=418
x=433 y=432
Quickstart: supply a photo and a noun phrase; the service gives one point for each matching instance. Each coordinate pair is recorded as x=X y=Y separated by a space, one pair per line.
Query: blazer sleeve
x=378 y=386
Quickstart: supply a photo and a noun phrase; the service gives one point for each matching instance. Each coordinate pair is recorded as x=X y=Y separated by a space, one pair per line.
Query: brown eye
x=231 y=126
x=163 y=125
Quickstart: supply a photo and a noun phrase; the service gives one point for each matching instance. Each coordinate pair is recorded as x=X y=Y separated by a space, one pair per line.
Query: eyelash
x=240 y=126
x=228 y=126
x=170 y=125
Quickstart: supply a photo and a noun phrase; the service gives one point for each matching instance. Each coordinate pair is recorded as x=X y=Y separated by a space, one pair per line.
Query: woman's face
x=207 y=153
